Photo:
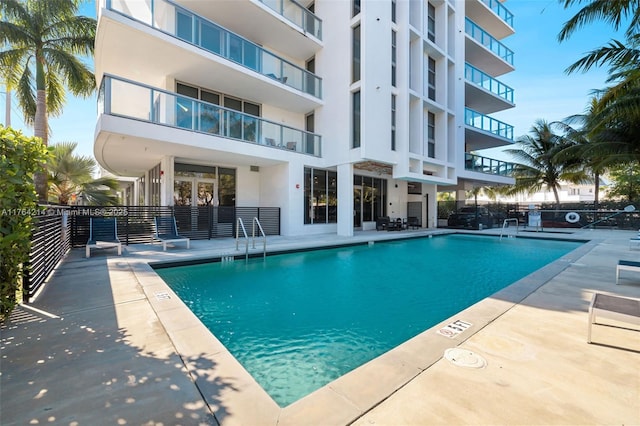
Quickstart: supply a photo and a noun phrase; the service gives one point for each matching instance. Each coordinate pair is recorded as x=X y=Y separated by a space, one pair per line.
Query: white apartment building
x=330 y=113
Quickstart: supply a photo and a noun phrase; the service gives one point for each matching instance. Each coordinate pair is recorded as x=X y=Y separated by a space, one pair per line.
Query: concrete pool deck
x=109 y=343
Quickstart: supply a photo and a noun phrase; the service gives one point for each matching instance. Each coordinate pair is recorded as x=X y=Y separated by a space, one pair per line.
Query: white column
x=166 y=181
x=345 y=200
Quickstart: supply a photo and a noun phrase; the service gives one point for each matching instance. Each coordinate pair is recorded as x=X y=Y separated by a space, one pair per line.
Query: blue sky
x=542 y=89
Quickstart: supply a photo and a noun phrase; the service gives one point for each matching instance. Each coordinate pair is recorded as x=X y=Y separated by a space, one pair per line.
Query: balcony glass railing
x=298 y=15
x=476 y=163
x=488 y=41
x=500 y=10
x=179 y=22
x=484 y=122
x=125 y=98
x=484 y=80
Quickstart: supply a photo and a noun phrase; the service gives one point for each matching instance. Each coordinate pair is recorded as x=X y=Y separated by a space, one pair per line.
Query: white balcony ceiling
x=479 y=99
x=127 y=147
x=479 y=13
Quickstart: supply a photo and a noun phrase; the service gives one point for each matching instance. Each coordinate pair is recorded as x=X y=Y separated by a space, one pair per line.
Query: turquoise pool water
x=298 y=321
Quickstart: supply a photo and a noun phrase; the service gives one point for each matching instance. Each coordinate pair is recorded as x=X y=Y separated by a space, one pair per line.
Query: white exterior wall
x=333 y=63
x=375 y=85
x=280 y=180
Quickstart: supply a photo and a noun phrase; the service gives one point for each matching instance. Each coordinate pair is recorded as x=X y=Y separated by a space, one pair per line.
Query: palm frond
x=613 y=12
x=616 y=54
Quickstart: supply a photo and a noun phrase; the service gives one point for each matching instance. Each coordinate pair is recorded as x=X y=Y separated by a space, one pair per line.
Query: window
x=355 y=119
x=355 y=59
x=218 y=98
x=393 y=58
x=141 y=181
x=310 y=124
x=431 y=23
x=355 y=7
x=393 y=10
x=207 y=118
x=227 y=187
x=320 y=196
x=393 y=122
x=154 y=186
x=311 y=83
x=431 y=79
x=374 y=196
x=431 y=135
x=414 y=188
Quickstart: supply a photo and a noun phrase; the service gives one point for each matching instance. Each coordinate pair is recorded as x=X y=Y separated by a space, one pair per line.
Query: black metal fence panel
x=136 y=223
x=50 y=242
x=607 y=214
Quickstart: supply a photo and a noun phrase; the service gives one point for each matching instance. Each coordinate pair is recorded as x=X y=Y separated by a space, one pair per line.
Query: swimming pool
x=298 y=321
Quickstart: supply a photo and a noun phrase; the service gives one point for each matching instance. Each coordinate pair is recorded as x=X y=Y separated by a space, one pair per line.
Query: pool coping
x=235 y=397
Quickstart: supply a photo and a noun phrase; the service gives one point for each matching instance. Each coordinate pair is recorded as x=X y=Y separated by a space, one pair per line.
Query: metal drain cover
x=464 y=358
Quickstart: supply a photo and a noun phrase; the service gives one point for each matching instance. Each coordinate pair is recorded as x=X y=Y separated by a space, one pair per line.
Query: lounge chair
x=626 y=265
x=617 y=308
x=167 y=232
x=103 y=233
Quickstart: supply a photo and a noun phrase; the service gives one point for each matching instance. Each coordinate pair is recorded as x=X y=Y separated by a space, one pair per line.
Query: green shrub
x=20 y=158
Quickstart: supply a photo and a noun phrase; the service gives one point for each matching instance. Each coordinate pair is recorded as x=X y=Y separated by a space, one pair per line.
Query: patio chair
x=103 y=233
x=413 y=222
x=617 y=308
x=382 y=223
x=167 y=232
x=291 y=146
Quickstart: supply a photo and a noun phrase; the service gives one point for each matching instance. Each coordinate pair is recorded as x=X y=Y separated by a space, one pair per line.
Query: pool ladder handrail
x=264 y=236
x=240 y=225
x=506 y=223
x=254 y=222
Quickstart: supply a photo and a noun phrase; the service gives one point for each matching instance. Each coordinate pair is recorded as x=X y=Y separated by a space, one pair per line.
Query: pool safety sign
x=451 y=330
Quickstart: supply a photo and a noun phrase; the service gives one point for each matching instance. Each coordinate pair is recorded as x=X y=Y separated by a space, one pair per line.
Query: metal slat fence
x=58 y=228
x=607 y=214
x=50 y=242
x=136 y=223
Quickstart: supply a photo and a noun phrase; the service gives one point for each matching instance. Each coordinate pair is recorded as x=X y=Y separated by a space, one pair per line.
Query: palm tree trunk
x=41 y=128
x=557 y=196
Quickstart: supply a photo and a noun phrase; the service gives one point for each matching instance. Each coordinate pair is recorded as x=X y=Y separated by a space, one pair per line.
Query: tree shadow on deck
x=94 y=352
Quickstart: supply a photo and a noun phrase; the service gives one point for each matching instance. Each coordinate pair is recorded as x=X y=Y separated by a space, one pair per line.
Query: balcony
x=298 y=15
x=498 y=20
x=478 y=45
x=178 y=22
x=477 y=163
x=284 y=25
x=484 y=132
x=144 y=104
x=484 y=93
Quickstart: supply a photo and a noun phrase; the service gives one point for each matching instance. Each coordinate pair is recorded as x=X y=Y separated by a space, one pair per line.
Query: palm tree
x=615 y=126
x=583 y=141
x=43 y=45
x=613 y=12
x=537 y=164
x=72 y=175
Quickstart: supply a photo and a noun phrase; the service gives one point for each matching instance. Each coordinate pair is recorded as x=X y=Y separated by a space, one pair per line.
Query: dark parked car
x=471 y=217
